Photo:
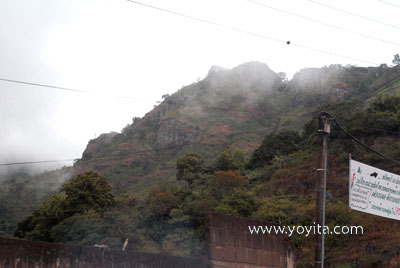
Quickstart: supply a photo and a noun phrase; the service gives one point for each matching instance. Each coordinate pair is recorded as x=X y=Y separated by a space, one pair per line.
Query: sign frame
x=373 y=190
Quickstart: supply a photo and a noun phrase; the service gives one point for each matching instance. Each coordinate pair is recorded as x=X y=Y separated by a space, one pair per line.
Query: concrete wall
x=232 y=246
x=15 y=253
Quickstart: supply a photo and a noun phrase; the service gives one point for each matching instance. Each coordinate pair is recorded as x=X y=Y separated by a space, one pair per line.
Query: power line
x=103 y=156
x=329 y=116
x=321 y=22
x=41 y=85
x=364 y=145
x=37 y=211
x=354 y=14
x=125 y=97
x=13 y=211
x=72 y=159
x=331 y=53
x=92 y=159
x=61 y=88
x=208 y=22
x=387 y=3
x=210 y=107
x=384 y=130
x=36 y=162
x=250 y=33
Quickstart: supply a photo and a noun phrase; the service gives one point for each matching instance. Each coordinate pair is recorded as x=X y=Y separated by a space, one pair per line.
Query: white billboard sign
x=373 y=190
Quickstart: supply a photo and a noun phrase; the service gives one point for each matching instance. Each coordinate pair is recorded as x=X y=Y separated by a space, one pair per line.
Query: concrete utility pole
x=324 y=128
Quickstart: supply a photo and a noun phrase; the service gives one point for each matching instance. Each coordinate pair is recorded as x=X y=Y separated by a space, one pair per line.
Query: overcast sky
x=118 y=48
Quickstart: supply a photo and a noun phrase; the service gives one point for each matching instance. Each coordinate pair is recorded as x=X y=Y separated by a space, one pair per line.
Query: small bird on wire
x=125 y=245
x=288 y=42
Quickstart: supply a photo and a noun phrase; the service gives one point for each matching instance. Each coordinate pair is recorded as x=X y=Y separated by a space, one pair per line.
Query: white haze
x=117 y=48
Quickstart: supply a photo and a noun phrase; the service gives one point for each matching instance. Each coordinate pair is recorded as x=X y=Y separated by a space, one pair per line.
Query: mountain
x=235 y=107
x=258 y=111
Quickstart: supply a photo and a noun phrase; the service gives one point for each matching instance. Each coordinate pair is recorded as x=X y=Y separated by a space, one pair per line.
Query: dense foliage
x=22 y=192
x=84 y=193
x=277 y=185
x=274 y=145
x=163 y=193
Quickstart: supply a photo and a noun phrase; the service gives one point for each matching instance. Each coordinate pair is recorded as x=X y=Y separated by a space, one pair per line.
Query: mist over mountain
x=250 y=109
x=235 y=107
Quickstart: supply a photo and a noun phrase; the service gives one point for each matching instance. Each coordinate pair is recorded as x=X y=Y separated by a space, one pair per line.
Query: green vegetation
x=188 y=167
x=21 y=193
x=396 y=59
x=88 y=191
x=273 y=145
x=170 y=168
x=84 y=193
x=276 y=184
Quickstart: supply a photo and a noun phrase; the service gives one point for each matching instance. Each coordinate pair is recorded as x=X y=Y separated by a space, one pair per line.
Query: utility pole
x=324 y=128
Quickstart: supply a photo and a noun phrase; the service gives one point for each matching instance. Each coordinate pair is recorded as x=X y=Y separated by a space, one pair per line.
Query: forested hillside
x=235 y=107
x=232 y=143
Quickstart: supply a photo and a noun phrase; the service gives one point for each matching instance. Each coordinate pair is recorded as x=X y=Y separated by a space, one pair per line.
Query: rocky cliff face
x=236 y=107
x=176 y=133
x=94 y=146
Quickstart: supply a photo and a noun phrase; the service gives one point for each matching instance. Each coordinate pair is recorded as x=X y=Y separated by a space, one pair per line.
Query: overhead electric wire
x=36 y=162
x=180 y=146
x=384 y=130
x=250 y=33
x=322 y=23
x=57 y=212
x=40 y=85
x=364 y=145
x=21 y=211
x=70 y=159
x=330 y=117
x=208 y=21
x=141 y=152
x=208 y=106
x=354 y=14
x=125 y=97
x=331 y=53
x=387 y=3
x=36 y=211
x=61 y=88
x=105 y=156
x=322 y=113
x=74 y=159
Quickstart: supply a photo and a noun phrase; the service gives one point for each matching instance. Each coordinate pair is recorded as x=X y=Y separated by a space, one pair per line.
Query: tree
x=240 y=203
x=282 y=143
x=188 y=167
x=160 y=203
x=87 y=191
x=396 y=59
x=239 y=157
x=283 y=77
x=224 y=182
x=226 y=161
x=38 y=225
